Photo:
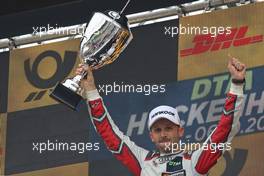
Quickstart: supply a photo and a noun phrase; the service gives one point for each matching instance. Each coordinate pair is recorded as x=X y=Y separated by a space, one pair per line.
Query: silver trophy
x=105 y=37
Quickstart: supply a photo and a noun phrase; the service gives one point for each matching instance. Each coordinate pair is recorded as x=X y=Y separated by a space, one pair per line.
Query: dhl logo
x=206 y=42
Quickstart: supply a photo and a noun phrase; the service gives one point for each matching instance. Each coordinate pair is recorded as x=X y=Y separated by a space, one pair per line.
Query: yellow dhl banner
x=209 y=38
x=34 y=71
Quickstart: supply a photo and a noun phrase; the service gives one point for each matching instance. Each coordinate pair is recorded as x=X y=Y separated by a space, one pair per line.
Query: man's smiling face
x=165 y=133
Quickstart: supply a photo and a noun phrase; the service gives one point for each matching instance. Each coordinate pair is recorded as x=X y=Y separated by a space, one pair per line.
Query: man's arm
x=229 y=125
x=119 y=144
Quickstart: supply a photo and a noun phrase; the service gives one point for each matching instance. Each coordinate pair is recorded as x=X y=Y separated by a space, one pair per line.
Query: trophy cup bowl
x=106 y=35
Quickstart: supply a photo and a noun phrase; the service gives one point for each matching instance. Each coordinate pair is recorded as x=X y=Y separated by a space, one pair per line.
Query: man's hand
x=236 y=69
x=88 y=82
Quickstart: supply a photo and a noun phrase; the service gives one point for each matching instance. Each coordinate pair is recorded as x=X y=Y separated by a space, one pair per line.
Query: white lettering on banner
x=252 y=102
x=244 y=104
x=209 y=110
x=196 y=113
x=216 y=106
x=215 y=110
x=140 y=125
x=182 y=109
x=202 y=114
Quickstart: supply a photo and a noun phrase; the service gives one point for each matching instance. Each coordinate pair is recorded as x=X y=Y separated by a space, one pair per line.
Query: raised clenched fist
x=237 y=69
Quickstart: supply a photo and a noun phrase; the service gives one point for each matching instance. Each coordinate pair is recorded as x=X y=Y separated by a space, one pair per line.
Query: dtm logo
x=204 y=43
x=64 y=67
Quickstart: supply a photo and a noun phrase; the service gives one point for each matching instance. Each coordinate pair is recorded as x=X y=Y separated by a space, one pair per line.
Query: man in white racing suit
x=166 y=130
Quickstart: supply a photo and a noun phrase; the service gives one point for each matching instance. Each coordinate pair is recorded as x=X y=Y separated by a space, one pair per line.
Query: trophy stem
x=78 y=78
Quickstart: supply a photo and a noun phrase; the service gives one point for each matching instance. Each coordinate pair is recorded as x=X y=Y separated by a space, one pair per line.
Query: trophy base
x=66 y=96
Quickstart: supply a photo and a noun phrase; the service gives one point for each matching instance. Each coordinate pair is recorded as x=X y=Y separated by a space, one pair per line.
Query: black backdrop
x=19 y=16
